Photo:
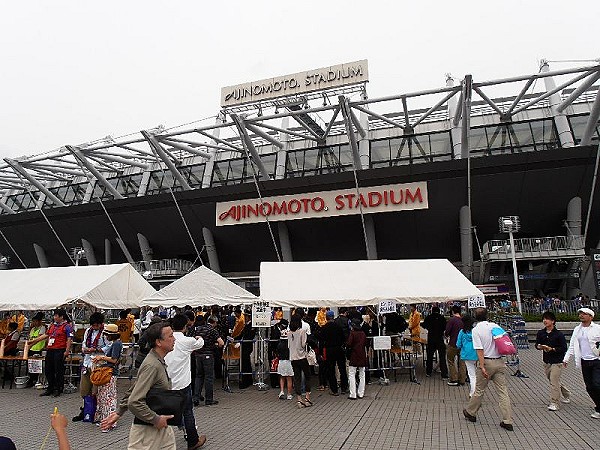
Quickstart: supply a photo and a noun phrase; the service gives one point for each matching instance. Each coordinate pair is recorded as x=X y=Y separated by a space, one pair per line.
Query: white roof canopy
x=115 y=286
x=201 y=287
x=354 y=283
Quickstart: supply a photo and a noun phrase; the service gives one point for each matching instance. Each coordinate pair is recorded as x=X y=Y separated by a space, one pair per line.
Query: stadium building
x=307 y=167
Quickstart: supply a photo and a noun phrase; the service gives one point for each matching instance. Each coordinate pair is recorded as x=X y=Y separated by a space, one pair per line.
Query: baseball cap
x=586 y=311
x=330 y=314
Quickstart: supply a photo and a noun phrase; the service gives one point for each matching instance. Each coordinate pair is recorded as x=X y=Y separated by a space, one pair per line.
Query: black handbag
x=165 y=402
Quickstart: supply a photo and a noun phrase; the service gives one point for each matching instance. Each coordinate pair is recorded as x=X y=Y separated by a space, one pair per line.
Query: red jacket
x=357 y=341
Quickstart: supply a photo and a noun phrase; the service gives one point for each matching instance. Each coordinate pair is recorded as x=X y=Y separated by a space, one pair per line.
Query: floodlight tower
x=510 y=225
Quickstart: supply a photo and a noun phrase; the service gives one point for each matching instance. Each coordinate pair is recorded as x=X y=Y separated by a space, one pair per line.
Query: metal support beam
x=211 y=250
x=336 y=111
x=40 y=253
x=210 y=164
x=155 y=145
x=89 y=252
x=217 y=139
x=466 y=242
x=379 y=116
x=592 y=122
x=249 y=147
x=81 y=158
x=17 y=168
x=280 y=162
x=488 y=100
x=356 y=122
x=145 y=249
x=125 y=251
x=577 y=92
x=466 y=128
x=371 y=243
x=266 y=136
x=344 y=107
x=283 y=130
x=434 y=107
x=185 y=148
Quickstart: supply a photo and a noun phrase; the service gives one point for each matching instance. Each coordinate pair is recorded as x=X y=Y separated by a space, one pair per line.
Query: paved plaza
x=403 y=415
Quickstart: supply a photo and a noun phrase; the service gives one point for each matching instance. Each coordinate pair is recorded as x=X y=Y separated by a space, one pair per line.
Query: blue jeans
x=205 y=375
x=189 y=422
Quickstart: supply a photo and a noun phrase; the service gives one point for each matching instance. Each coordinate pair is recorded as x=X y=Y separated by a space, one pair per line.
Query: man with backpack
x=490 y=367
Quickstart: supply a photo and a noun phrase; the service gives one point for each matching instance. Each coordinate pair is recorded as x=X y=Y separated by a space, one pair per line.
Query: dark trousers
x=247 y=379
x=300 y=367
x=440 y=347
x=591 y=378
x=336 y=357
x=205 y=375
x=189 y=422
x=55 y=369
x=322 y=372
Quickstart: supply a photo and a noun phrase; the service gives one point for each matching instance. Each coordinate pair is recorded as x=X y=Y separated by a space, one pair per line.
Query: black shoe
x=46 y=394
x=201 y=398
x=471 y=418
x=196 y=403
x=78 y=417
x=506 y=426
x=214 y=402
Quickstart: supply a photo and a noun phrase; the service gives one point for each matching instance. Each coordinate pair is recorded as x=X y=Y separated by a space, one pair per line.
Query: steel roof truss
x=378 y=116
x=20 y=170
x=220 y=141
x=160 y=152
x=249 y=147
x=185 y=148
x=78 y=154
x=488 y=101
x=6 y=208
x=266 y=136
x=336 y=111
x=577 y=92
x=345 y=107
x=283 y=130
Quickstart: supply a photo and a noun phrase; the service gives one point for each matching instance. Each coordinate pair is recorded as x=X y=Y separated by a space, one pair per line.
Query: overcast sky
x=75 y=71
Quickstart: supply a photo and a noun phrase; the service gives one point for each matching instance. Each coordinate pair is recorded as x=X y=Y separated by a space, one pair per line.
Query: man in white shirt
x=179 y=369
x=490 y=367
x=585 y=346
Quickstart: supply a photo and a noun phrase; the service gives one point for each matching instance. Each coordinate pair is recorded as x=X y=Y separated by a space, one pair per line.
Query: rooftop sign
x=296 y=84
x=369 y=200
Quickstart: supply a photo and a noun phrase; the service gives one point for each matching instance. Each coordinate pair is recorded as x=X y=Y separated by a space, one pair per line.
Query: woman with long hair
x=107 y=394
x=297 y=347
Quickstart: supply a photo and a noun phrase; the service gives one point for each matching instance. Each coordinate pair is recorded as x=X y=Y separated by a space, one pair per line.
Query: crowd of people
x=180 y=351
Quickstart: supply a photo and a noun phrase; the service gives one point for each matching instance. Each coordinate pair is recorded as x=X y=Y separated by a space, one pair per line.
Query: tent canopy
x=354 y=283
x=201 y=287
x=115 y=286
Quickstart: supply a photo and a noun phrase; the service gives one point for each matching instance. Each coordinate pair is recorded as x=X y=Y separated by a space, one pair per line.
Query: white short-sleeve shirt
x=483 y=340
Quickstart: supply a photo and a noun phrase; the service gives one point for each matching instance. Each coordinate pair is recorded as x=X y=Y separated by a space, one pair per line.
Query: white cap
x=586 y=311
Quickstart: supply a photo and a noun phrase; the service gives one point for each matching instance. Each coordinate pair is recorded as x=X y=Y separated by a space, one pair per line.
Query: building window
x=71 y=194
x=578 y=124
x=23 y=202
x=411 y=149
x=160 y=181
x=237 y=170
x=318 y=161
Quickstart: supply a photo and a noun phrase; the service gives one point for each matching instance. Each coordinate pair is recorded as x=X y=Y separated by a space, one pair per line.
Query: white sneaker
x=553 y=407
x=289 y=397
x=595 y=415
x=281 y=395
x=565 y=400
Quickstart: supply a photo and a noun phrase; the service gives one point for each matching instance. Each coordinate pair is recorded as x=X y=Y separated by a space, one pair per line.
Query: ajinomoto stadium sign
x=376 y=199
x=295 y=84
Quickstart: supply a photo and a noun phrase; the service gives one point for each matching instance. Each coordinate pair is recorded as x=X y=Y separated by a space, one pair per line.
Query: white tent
x=115 y=286
x=354 y=283
x=201 y=287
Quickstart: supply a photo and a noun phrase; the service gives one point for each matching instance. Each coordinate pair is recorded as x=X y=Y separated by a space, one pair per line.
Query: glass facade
x=237 y=170
x=318 y=161
x=71 y=194
x=23 y=202
x=578 y=124
x=411 y=149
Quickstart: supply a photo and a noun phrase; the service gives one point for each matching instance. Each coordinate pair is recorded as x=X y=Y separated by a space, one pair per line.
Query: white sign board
x=382 y=342
x=296 y=84
x=476 y=301
x=34 y=365
x=261 y=314
x=387 y=306
x=313 y=205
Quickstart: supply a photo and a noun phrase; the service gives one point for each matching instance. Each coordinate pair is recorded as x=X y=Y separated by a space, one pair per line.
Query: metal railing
x=539 y=247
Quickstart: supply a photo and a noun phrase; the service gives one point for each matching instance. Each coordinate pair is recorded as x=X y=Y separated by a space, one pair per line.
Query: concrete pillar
x=107 y=251
x=211 y=250
x=574 y=216
x=466 y=242
x=560 y=119
x=363 y=144
x=282 y=152
x=210 y=164
x=41 y=255
x=284 y=242
x=371 y=240
x=89 y=252
x=145 y=249
x=455 y=130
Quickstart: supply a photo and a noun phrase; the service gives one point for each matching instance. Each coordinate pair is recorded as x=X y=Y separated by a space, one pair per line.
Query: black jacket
x=554 y=339
x=435 y=324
